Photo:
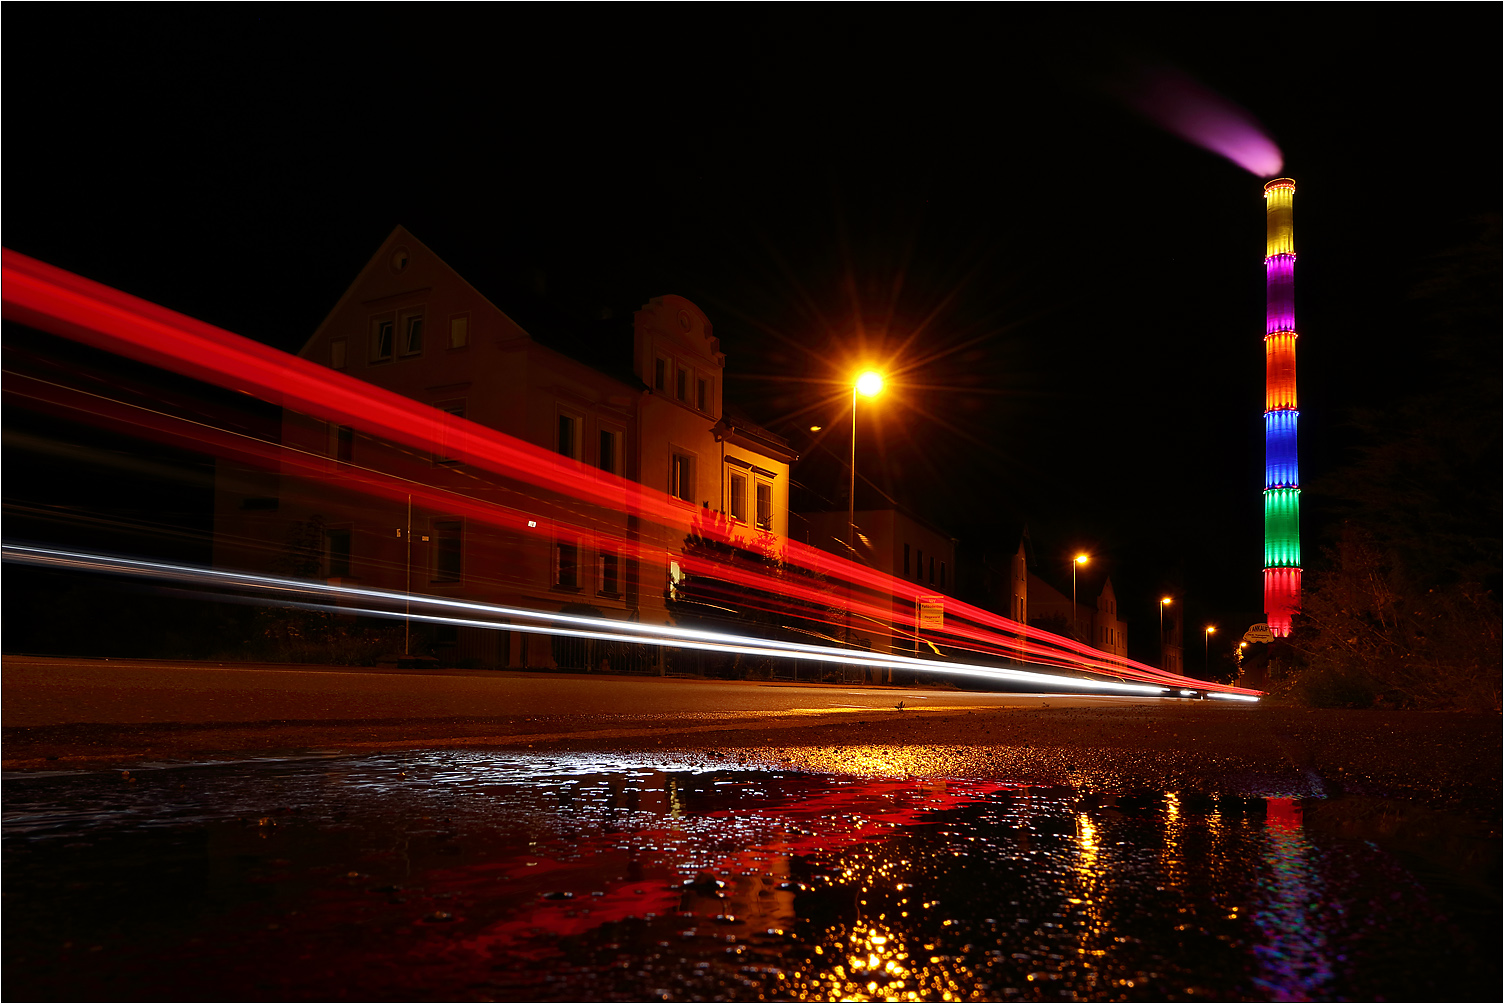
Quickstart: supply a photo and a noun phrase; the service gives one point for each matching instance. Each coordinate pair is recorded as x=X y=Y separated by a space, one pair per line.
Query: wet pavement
x=824 y=873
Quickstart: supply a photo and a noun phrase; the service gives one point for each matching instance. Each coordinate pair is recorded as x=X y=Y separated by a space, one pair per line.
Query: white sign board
x=931 y=611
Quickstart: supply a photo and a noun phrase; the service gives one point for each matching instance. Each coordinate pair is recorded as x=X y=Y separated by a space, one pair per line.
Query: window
x=919 y=571
x=381 y=340
x=682 y=477
x=337 y=354
x=446 y=550
x=608 y=573
x=906 y=561
x=606 y=459
x=457 y=409
x=567 y=564
x=412 y=334
x=341 y=443
x=567 y=426
x=764 y=506
x=702 y=394
x=660 y=374
x=337 y=551
x=459 y=331
x=942 y=575
x=738 y=501
x=932 y=570
x=681 y=385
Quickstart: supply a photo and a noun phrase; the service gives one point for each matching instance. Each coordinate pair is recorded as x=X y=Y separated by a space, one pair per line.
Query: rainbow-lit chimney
x=1281 y=413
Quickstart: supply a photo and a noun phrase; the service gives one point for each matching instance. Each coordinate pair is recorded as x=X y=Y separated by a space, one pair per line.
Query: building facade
x=645 y=407
x=1097 y=624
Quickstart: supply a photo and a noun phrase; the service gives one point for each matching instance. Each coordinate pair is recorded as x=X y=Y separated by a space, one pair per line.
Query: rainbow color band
x=1281 y=414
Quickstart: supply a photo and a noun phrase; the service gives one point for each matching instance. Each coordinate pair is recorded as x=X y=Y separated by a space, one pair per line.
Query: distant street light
x=1079 y=559
x=1206 y=648
x=1164 y=602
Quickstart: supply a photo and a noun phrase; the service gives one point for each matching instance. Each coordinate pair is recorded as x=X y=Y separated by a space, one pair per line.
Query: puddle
x=472 y=876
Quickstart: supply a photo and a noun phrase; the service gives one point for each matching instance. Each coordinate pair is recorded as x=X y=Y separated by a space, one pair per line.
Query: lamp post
x=1079 y=559
x=1163 y=602
x=869 y=384
x=1206 y=648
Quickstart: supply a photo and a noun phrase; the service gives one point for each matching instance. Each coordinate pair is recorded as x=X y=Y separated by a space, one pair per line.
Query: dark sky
x=1069 y=299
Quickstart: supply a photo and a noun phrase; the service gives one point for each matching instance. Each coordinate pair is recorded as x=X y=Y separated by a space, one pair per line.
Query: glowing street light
x=1079 y=559
x=1206 y=648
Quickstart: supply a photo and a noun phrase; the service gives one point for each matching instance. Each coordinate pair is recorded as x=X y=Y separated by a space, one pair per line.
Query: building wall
x=473 y=361
x=1097 y=622
x=883 y=538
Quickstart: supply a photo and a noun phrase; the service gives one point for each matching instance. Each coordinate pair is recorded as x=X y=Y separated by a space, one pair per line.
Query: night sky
x=1070 y=300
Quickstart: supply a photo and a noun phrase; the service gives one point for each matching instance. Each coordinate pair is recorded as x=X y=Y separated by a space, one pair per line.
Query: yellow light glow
x=1166 y=601
x=815 y=428
x=869 y=383
x=1082 y=559
x=1211 y=629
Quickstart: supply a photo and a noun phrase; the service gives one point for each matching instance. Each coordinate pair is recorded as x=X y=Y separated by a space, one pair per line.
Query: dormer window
x=381 y=340
x=412 y=334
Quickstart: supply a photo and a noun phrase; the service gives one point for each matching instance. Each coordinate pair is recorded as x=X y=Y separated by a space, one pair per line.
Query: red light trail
x=813 y=581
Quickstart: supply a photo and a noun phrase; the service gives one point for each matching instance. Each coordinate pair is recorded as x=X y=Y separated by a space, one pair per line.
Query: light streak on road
x=442 y=610
x=64 y=304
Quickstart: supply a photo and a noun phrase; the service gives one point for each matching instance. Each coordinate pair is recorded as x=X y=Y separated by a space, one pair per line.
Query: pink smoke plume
x=1189 y=109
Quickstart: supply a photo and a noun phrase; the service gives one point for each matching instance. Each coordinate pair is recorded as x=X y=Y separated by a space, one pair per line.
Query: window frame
x=691 y=463
x=572 y=547
x=386 y=323
x=576 y=432
x=330 y=569
x=607 y=557
x=760 y=486
x=464 y=321
x=341 y=443
x=457 y=410
x=439 y=534
x=736 y=495
x=616 y=451
x=407 y=319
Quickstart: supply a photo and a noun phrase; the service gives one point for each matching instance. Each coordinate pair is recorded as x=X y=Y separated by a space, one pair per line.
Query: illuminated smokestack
x=1281 y=413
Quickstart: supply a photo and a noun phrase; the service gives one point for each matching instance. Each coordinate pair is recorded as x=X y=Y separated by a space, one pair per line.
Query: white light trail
x=450 y=611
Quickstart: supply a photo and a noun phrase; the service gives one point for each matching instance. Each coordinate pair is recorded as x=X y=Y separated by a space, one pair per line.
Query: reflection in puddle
x=459 y=875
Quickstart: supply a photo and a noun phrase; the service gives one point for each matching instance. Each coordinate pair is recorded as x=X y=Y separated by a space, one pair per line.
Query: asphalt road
x=89 y=714
x=62 y=691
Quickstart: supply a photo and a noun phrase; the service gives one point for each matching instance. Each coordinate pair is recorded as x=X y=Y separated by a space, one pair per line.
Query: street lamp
x=1079 y=559
x=869 y=384
x=1163 y=602
x=1206 y=648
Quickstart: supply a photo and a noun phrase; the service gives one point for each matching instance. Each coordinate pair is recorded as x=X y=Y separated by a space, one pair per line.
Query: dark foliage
x=1404 y=606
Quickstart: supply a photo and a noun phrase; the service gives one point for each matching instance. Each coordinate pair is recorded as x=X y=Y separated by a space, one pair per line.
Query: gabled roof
x=605 y=346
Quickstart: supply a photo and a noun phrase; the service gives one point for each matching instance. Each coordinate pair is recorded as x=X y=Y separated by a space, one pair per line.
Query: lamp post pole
x=870 y=384
x=1206 y=649
x=1079 y=559
x=1164 y=602
x=851 y=496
